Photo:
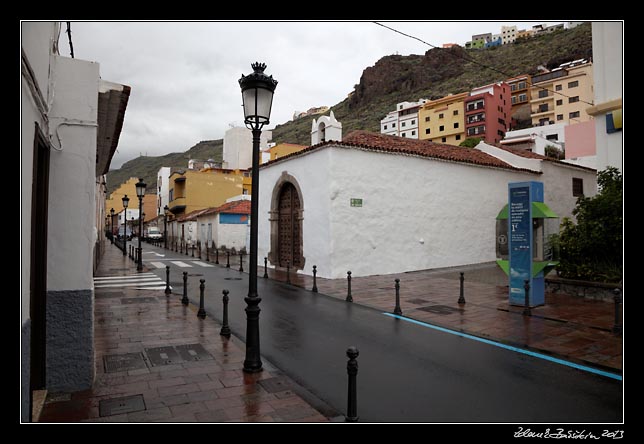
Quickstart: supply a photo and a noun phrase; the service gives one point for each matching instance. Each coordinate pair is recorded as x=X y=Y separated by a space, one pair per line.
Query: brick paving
x=570 y=327
x=212 y=389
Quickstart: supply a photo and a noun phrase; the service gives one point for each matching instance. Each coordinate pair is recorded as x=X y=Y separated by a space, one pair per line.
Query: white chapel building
x=379 y=204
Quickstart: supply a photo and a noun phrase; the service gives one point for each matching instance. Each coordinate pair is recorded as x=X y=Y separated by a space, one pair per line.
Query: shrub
x=591 y=249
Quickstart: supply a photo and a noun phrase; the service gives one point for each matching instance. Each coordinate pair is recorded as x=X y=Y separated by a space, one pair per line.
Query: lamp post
x=140 y=192
x=165 y=226
x=257 y=96
x=112 y=225
x=126 y=201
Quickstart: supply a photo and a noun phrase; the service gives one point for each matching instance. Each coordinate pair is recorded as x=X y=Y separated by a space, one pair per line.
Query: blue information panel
x=520 y=239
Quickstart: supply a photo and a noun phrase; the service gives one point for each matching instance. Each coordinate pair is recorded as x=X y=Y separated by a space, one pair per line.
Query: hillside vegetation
x=394 y=79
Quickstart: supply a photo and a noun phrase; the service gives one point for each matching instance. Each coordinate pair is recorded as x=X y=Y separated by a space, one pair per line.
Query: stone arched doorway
x=286 y=224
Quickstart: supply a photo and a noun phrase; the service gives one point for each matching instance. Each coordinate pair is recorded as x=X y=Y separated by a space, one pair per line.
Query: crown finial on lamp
x=258 y=67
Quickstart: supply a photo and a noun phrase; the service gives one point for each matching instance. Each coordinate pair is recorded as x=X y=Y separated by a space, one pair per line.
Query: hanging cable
x=69 y=34
x=471 y=60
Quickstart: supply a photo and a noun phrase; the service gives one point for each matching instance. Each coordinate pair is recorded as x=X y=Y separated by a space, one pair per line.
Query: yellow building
x=115 y=200
x=442 y=120
x=284 y=149
x=194 y=190
x=563 y=94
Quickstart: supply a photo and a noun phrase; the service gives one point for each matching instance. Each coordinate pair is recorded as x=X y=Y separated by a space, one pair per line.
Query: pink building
x=580 y=143
x=487 y=112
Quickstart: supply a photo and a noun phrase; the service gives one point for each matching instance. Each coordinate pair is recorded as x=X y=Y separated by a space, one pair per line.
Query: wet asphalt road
x=407 y=372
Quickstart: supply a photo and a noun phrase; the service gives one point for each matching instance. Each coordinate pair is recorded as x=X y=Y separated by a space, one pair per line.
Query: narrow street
x=407 y=372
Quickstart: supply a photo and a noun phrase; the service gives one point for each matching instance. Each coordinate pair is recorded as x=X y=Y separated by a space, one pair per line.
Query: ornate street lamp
x=166 y=210
x=112 y=225
x=140 y=192
x=126 y=201
x=257 y=96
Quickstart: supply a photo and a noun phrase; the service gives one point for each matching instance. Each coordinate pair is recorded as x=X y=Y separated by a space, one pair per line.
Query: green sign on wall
x=356 y=202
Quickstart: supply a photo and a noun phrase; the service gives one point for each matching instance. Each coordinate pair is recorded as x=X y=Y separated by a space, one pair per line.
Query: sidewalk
x=156 y=361
x=568 y=327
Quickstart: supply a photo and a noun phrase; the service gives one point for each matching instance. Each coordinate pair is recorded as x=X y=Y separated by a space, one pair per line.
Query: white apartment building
x=536 y=139
x=403 y=122
x=163 y=189
x=508 y=34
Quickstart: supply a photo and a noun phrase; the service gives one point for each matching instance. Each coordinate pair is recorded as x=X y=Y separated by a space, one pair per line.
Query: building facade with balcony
x=520 y=97
x=403 y=122
x=443 y=120
x=563 y=94
x=488 y=112
x=194 y=190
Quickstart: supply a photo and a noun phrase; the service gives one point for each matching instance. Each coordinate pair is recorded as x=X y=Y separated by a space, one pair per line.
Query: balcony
x=177 y=205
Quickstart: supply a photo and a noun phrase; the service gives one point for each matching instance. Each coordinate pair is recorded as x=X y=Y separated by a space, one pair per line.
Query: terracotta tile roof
x=234 y=207
x=192 y=215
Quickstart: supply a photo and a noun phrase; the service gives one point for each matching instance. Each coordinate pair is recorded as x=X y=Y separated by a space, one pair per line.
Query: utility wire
x=69 y=34
x=468 y=59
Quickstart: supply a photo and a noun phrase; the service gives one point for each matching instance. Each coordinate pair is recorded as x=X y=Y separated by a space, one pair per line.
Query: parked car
x=154 y=233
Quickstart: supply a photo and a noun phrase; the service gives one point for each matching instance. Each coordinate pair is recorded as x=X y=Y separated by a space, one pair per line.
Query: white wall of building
x=238 y=147
x=163 y=189
x=36 y=39
x=608 y=72
x=72 y=174
x=415 y=214
x=539 y=135
x=232 y=235
x=313 y=175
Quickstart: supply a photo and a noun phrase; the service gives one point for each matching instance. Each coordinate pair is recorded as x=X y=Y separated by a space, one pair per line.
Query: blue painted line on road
x=510 y=347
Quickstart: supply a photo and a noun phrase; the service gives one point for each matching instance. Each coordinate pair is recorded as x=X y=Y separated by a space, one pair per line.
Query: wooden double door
x=289 y=227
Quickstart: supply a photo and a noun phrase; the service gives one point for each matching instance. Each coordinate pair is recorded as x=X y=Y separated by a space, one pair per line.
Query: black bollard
x=193 y=250
x=288 y=272
x=352 y=395
x=397 y=309
x=184 y=299
x=461 y=298
x=228 y=259
x=217 y=256
x=315 y=284
x=349 y=297
x=207 y=255
x=225 y=329
x=167 y=279
x=265 y=267
x=617 y=328
x=526 y=310
x=241 y=261
x=202 y=311
x=186 y=248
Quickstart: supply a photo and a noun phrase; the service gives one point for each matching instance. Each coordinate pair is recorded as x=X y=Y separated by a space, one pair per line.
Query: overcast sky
x=184 y=75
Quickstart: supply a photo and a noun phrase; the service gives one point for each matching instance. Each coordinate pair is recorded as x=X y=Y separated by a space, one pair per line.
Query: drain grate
x=232 y=279
x=118 y=406
x=120 y=363
x=274 y=385
x=143 y=300
x=163 y=356
x=193 y=352
x=439 y=309
x=418 y=301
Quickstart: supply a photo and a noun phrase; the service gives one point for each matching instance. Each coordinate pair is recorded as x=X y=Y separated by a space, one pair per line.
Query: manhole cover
x=418 y=301
x=439 y=309
x=193 y=352
x=118 y=406
x=127 y=361
x=143 y=300
x=273 y=385
x=163 y=355
x=232 y=279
